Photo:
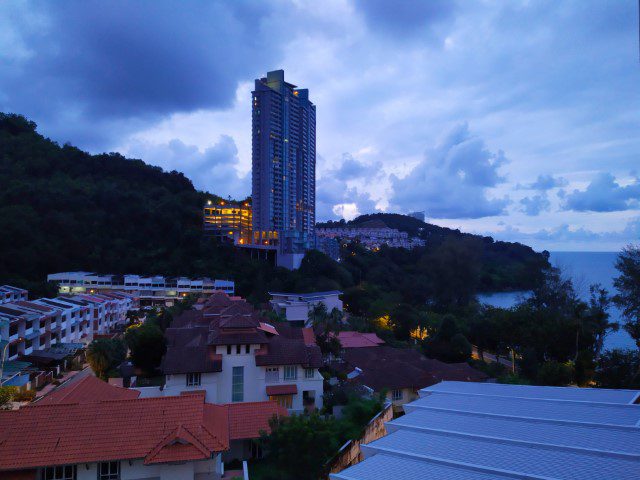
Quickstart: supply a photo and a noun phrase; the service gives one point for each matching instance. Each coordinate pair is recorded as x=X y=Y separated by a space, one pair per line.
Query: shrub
x=555 y=374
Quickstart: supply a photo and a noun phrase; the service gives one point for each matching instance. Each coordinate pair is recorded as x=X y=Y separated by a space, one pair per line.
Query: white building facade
x=295 y=307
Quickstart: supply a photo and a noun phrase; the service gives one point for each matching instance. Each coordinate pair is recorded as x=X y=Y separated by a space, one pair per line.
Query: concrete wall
x=351 y=453
x=136 y=470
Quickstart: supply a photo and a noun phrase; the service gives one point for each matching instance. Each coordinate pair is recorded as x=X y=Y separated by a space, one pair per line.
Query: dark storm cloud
x=605 y=194
x=401 y=18
x=544 y=183
x=532 y=206
x=131 y=62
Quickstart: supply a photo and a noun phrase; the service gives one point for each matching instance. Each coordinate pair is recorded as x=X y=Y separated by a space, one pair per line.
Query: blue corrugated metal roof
x=382 y=466
x=502 y=456
x=603 y=395
x=580 y=412
x=482 y=435
x=624 y=441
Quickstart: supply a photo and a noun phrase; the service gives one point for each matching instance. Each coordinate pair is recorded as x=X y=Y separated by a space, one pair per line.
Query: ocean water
x=585 y=269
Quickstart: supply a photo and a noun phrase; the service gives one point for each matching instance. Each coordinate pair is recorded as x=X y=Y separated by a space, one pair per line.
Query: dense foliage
x=628 y=286
x=105 y=355
x=490 y=265
x=300 y=446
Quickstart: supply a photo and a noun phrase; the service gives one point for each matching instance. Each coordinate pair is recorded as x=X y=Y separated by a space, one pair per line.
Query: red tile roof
x=88 y=389
x=359 y=340
x=57 y=434
x=248 y=419
x=282 y=389
x=308 y=336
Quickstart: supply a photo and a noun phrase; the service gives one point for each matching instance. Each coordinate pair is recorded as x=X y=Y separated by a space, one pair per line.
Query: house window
x=285 y=401
x=228 y=349
x=193 y=380
x=247 y=348
x=309 y=373
x=396 y=395
x=238 y=349
x=290 y=372
x=67 y=472
x=237 y=384
x=109 y=471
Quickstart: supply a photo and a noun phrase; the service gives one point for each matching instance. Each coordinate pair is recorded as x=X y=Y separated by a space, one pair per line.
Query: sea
x=585 y=269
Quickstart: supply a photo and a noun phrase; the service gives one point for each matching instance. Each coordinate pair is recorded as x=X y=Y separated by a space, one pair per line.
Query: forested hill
x=504 y=265
x=63 y=209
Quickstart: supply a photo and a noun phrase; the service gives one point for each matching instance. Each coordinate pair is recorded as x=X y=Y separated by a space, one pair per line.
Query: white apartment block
x=30 y=325
x=295 y=307
x=10 y=294
x=149 y=290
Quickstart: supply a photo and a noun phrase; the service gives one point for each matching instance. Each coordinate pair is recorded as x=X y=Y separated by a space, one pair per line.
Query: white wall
x=218 y=386
x=137 y=470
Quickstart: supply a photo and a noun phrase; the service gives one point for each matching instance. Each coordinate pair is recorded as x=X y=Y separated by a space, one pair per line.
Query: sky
x=517 y=119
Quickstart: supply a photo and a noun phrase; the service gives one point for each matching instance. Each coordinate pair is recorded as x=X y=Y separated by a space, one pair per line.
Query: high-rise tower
x=284 y=161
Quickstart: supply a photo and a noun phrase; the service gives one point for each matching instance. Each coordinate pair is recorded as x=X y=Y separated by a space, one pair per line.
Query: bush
x=24 y=396
x=7 y=395
x=555 y=374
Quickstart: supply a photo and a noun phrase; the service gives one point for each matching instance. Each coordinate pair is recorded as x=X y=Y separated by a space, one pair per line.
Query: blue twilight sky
x=516 y=118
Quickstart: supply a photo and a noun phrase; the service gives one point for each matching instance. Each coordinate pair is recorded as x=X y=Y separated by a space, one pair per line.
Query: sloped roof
x=68 y=433
x=282 y=389
x=524 y=432
x=87 y=389
x=248 y=419
x=285 y=351
x=395 y=368
x=359 y=339
x=198 y=359
x=600 y=395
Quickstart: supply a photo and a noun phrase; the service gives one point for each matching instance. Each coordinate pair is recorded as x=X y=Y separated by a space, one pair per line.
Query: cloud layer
x=423 y=96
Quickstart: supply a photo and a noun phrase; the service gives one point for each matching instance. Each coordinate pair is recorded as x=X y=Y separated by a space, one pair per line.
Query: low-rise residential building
x=372 y=234
x=146 y=290
x=92 y=430
x=487 y=431
x=295 y=307
x=401 y=372
x=12 y=294
x=227 y=350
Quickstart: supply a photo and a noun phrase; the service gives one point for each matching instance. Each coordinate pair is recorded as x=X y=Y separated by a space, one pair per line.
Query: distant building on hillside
x=284 y=162
x=295 y=307
x=372 y=234
x=153 y=290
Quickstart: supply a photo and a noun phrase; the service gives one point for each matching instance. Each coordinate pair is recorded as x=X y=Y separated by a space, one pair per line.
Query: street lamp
x=4 y=352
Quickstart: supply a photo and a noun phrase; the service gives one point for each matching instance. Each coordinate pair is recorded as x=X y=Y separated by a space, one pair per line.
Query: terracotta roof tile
x=282 y=389
x=359 y=340
x=248 y=419
x=88 y=389
x=45 y=435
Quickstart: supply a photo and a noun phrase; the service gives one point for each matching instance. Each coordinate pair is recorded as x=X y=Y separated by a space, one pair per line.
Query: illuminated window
x=285 y=401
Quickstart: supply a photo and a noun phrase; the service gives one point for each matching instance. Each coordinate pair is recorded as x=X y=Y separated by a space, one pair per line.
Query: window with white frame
x=396 y=395
x=290 y=372
x=66 y=472
x=194 y=380
x=109 y=471
x=309 y=373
